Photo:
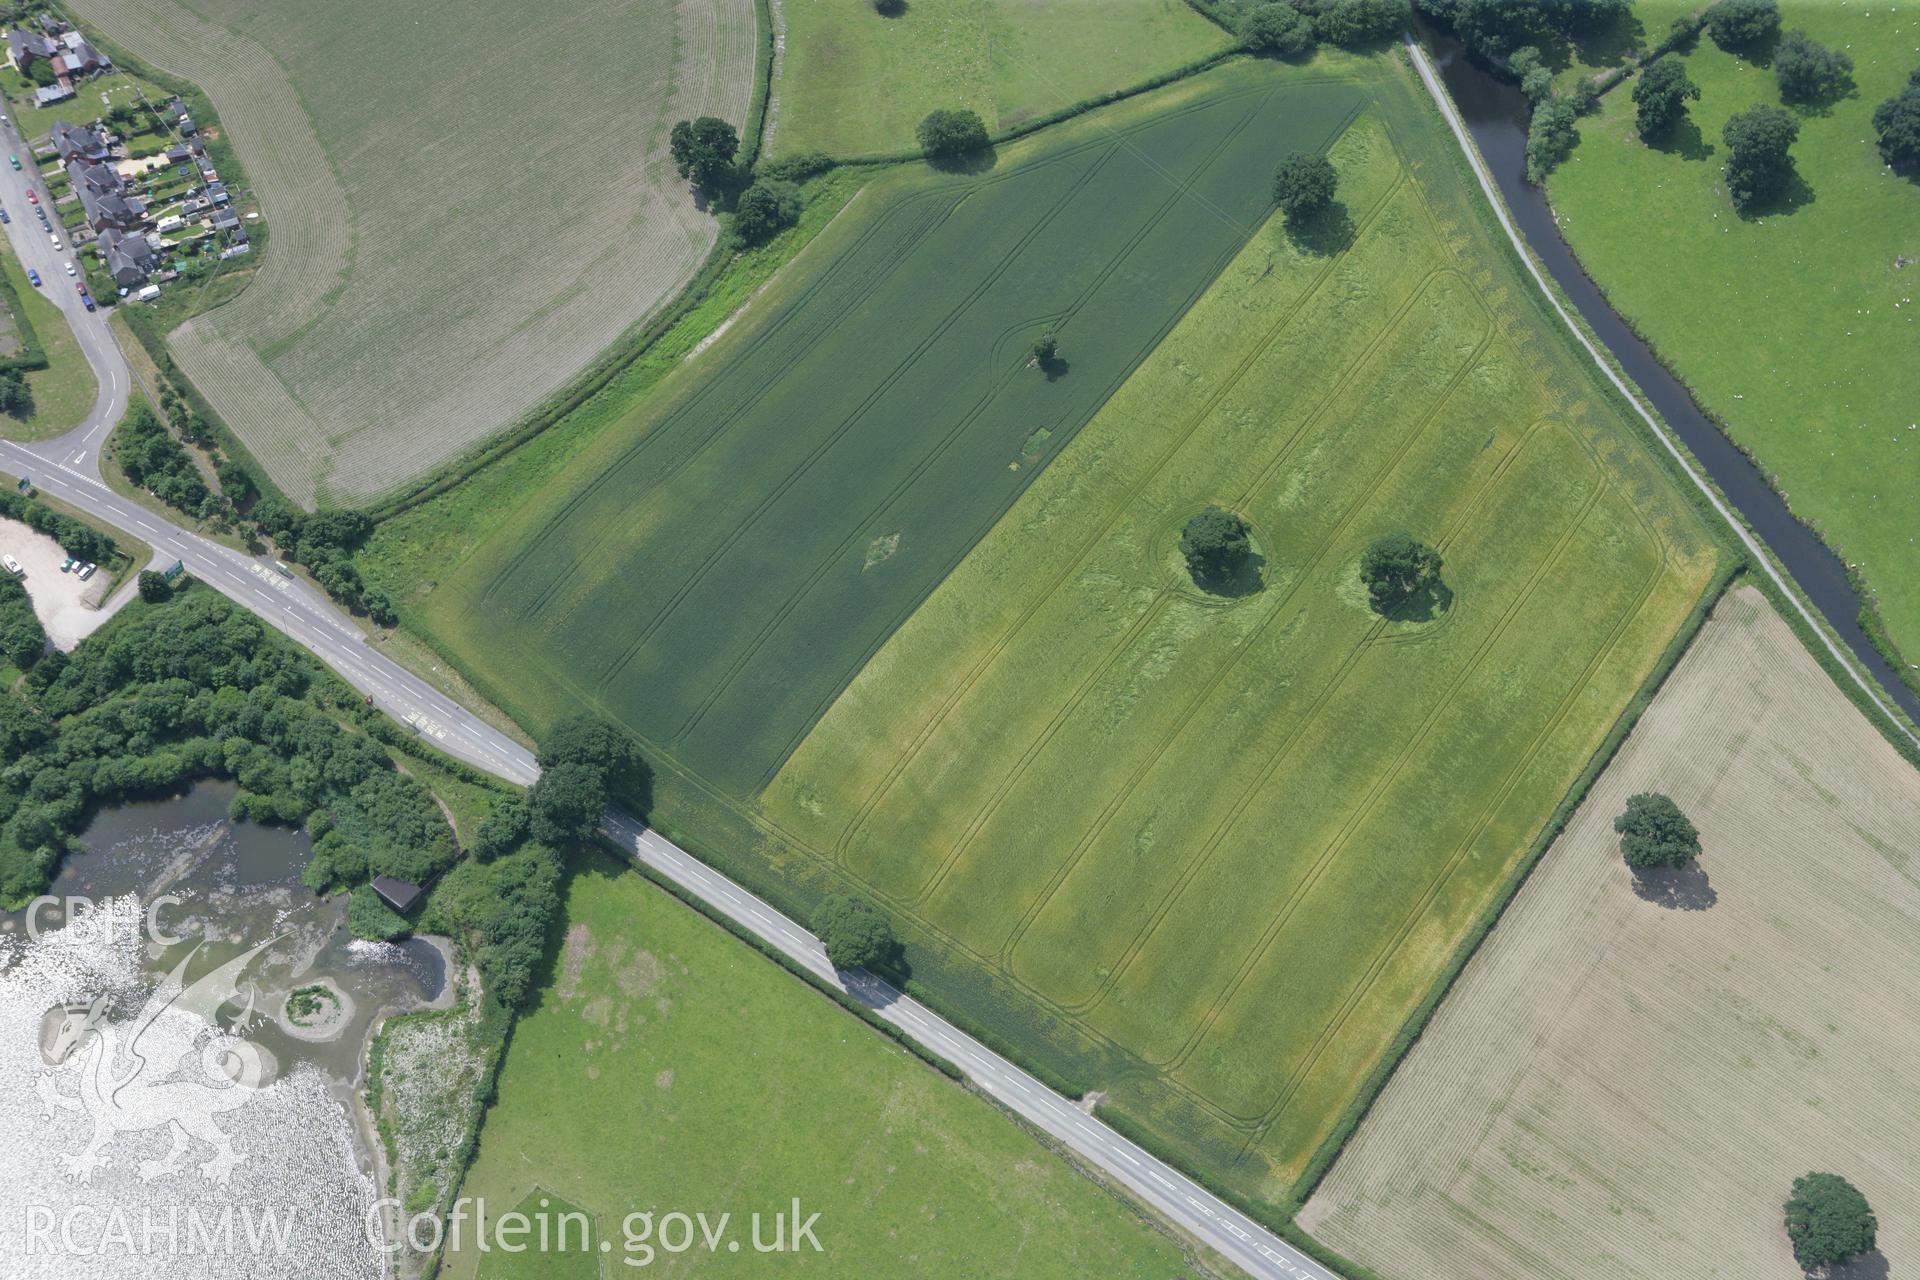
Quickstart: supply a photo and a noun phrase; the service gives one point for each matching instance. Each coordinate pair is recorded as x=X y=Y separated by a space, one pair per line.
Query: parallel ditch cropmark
x=1182 y=189
x=1091 y=681
x=1095 y=540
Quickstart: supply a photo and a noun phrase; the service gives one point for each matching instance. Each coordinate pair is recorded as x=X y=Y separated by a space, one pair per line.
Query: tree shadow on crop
x=1055 y=367
x=1324 y=232
x=1423 y=604
x=1682 y=888
x=1871 y=1265
x=1244 y=579
x=981 y=161
x=1684 y=140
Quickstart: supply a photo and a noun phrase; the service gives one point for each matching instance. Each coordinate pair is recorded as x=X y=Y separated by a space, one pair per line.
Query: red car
x=33 y=197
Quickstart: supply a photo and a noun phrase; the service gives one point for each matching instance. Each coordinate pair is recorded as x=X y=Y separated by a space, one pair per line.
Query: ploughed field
x=713 y=573
x=464 y=208
x=1631 y=1072
x=896 y=610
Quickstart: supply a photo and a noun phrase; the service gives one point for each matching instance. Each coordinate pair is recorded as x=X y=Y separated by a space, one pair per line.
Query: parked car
x=13 y=566
x=15 y=160
x=86 y=570
x=33 y=277
x=66 y=566
x=89 y=301
x=70 y=270
x=33 y=197
x=3 y=216
x=56 y=243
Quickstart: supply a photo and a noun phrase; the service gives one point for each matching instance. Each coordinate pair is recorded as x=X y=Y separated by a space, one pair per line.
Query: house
x=23 y=47
x=128 y=256
x=226 y=220
x=79 y=57
x=47 y=95
x=217 y=192
x=398 y=894
x=74 y=141
x=105 y=197
x=177 y=153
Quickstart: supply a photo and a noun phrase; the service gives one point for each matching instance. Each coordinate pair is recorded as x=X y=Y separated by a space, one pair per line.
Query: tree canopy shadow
x=1871 y=1265
x=1682 y=888
x=1758 y=52
x=1423 y=604
x=1821 y=105
x=1055 y=367
x=1609 y=45
x=1685 y=141
x=1324 y=232
x=981 y=161
x=1245 y=580
x=890 y=8
x=1792 y=197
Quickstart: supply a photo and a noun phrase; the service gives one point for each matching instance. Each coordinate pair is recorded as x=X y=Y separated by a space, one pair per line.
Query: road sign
x=25 y=484
x=179 y=567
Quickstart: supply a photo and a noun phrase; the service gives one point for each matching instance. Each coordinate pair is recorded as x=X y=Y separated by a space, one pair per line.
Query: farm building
x=47 y=95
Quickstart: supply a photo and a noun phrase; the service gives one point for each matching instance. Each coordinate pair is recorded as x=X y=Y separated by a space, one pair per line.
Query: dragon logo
x=170 y=1066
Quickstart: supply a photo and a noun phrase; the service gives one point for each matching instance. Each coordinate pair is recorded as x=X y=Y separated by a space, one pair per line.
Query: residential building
x=105 y=197
x=128 y=256
x=77 y=142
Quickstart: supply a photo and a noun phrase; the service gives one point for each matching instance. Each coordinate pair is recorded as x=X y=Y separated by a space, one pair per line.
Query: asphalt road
x=67 y=468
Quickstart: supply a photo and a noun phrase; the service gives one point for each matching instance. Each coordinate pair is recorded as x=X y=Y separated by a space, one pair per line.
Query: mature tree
x=1660 y=97
x=1742 y=24
x=1654 y=833
x=1828 y=1221
x=1494 y=28
x=1356 y=22
x=1551 y=136
x=1278 y=29
x=1216 y=543
x=1304 y=184
x=1531 y=70
x=16 y=397
x=1758 y=164
x=856 y=934
x=764 y=208
x=1396 y=567
x=1897 y=121
x=565 y=803
x=703 y=149
x=592 y=741
x=1046 y=348
x=1809 y=71
x=154 y=587
x=945 y=133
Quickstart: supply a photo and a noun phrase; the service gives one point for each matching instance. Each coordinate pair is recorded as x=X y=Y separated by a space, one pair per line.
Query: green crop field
x=1800 y=329
x=714 y=569
x=1212 y=854
x=854 y=81
x=466 y=208
x=891 y=606
x=626 y=1090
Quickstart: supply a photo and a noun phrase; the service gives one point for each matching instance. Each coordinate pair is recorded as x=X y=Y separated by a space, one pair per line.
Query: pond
x=169 y=1115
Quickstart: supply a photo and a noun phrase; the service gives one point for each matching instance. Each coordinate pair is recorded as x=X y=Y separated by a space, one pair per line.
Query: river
x=1495 y=113
x=230 y=1143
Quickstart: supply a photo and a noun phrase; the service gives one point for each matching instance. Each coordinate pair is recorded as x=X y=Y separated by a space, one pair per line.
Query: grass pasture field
x=714 y=568
x=1208 y=855
x=1627 y=1078
x=1799 y=329
x=669 y=1067
x=466 y=208
x=854 y=81
x=65 y=389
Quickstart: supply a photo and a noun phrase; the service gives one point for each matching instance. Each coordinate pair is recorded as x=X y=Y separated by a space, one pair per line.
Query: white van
x=13 y=566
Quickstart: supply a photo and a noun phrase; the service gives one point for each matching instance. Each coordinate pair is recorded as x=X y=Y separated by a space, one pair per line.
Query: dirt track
x=1628 y=1076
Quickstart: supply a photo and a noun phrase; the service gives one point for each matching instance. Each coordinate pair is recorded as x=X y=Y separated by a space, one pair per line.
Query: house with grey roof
x=129 y=257
x=77 y=142
x=48 y=94
x=105 y=197
x=23 y=47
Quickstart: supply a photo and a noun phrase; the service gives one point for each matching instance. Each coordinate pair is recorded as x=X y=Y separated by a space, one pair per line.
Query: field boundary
x=1878 y=709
